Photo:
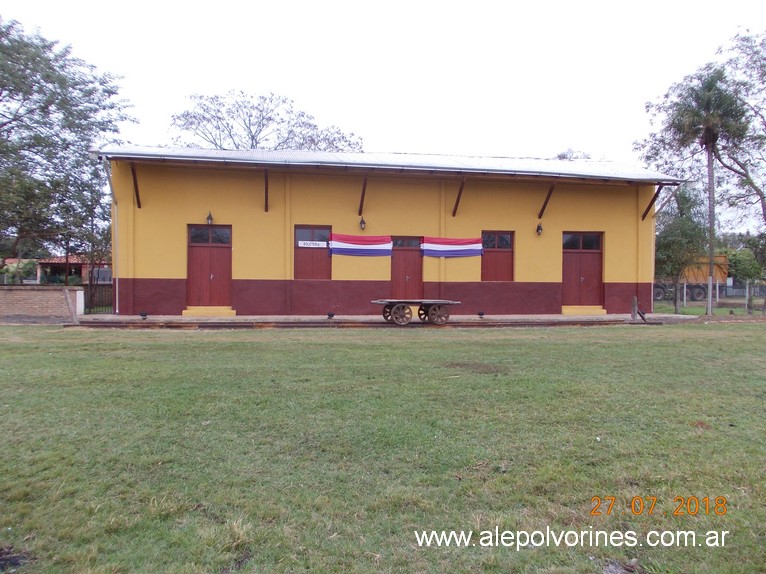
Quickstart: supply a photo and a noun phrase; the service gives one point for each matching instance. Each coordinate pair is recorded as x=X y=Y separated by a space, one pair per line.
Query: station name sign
x=316 y=244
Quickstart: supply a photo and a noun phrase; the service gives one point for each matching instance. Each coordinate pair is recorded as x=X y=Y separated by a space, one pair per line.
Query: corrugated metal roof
x=401 y=162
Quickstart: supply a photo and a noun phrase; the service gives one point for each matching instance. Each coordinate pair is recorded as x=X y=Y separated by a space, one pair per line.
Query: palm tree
x=703 y=110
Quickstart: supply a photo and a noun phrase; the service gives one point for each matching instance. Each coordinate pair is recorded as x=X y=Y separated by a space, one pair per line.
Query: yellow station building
x=250 y=232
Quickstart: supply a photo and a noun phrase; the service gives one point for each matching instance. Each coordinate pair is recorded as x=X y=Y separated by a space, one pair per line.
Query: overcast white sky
x=504 y=78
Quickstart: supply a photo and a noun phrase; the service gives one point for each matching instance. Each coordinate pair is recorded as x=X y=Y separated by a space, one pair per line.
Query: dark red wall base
x=499 y=298
x=152 y=296
x=307 y=297
x=264 y=297
x=618 y=297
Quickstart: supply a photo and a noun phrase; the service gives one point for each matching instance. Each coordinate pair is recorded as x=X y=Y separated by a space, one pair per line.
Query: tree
x=53 y=109
x=746 y=162
x=744 y=267
x=757 y=246
x=754 y=245
x=680 y=238
x=238 y=120
x=16 y=272
x=701 y=112
x=569 y=153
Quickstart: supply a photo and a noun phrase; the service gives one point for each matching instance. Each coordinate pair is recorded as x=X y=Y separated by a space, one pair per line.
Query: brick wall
x=37 y=301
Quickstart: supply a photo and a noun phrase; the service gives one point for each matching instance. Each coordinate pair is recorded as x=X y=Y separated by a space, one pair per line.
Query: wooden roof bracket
x=266 y=190
x=135 y=184
x=653 y=200
x=361 y=199
x=459 y=195
x=547 y=199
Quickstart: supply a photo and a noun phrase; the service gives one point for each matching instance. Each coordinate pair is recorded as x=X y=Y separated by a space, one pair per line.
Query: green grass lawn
x=326 y=450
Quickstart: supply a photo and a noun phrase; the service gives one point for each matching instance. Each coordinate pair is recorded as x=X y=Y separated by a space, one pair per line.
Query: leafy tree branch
x=238 y=120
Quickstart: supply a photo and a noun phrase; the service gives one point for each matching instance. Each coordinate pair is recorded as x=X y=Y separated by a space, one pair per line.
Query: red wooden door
x=570 y=281
x=406 y=268
x=582 y=273
x=197 y=277
x=311 y=259
x=208 y=279
x=220 y=276
x=497 y=259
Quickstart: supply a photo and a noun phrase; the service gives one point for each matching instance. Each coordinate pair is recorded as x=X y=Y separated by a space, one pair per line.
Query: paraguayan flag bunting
x=380 y=245
x=442 y=247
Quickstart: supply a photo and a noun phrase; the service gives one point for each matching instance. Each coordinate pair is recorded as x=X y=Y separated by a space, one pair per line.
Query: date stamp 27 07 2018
x=645 y=506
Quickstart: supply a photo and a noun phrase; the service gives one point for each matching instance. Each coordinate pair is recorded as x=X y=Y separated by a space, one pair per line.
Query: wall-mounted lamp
x=330 y=314
x=362 y=223
x=539 y=228
x=209 y=218
x=481 y=314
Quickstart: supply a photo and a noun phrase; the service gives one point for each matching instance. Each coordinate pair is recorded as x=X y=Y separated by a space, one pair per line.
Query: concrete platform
x=360 y=321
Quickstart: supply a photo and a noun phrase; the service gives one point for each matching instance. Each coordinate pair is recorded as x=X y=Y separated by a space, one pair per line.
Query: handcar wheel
x=438 y=314
x=401 y=314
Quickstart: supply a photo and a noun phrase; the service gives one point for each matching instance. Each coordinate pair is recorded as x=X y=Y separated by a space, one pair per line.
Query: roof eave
x=364 y=167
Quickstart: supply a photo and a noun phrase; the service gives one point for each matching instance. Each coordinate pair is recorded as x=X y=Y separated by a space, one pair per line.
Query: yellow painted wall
x=151 y=242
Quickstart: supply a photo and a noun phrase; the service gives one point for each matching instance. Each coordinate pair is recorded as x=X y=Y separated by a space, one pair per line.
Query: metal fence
x=99 y=298
x=757 y=291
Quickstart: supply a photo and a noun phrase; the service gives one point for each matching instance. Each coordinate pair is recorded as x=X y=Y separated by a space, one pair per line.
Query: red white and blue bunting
x=442 y=247
x=364 y=245
x=382 y=246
